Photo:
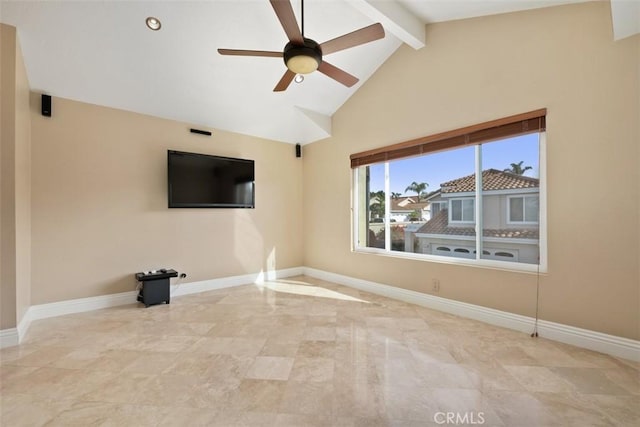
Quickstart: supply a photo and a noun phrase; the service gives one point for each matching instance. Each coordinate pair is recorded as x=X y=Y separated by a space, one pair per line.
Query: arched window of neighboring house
x=504 y=254
x=443 y=248
x=464 y=251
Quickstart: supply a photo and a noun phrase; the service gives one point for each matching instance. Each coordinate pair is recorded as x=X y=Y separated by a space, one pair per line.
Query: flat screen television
x=204 y=181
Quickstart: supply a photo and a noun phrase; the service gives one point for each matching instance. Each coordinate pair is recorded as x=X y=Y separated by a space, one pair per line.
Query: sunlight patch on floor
x=304 y=288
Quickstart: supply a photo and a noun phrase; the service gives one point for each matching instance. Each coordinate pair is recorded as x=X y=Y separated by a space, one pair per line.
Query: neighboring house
x=402 y=209
x=510 y=219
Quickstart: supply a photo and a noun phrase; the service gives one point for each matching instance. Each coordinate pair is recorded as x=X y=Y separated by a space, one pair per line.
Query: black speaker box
x=46 y=105
x=298 y=150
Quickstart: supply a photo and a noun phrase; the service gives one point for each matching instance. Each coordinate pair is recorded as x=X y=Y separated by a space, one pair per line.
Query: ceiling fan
x=302 y=55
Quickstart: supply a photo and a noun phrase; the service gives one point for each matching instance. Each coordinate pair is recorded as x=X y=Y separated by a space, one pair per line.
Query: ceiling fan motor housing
x=303 y=59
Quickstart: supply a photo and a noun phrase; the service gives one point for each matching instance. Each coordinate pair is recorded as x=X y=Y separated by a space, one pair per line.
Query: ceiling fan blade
x=337 y=74
x=356 y=38
x=287 y=18
x=285 y=81
x=240 y=52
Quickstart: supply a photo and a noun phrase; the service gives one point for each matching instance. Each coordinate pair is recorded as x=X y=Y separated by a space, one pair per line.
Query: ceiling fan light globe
x=302 y=58
x=302 y=64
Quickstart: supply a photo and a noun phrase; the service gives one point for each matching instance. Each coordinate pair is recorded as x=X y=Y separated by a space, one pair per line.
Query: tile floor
x=303 y=352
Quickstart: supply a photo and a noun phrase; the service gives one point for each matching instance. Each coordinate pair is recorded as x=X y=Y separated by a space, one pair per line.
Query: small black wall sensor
x=201 y=132
x=298 y=150
x=46 y=105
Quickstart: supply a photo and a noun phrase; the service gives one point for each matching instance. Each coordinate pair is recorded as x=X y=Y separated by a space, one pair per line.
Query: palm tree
x=418 y=188
x=516 y=168
x=395 y=195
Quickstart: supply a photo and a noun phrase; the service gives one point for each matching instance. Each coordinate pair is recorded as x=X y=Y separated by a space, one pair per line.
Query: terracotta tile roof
x=492 y=179
x=439 y=224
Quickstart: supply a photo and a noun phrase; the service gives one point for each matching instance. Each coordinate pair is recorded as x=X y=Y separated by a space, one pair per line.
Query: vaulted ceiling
x=101 y=52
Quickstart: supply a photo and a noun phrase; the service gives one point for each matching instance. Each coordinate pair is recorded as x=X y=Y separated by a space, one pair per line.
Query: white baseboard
x=13 y=336
x=9 y=337
x=597 y=341
x=228 y=282
x=80 y=305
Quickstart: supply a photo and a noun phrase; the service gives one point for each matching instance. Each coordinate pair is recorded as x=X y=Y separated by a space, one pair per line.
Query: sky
x=441 y=167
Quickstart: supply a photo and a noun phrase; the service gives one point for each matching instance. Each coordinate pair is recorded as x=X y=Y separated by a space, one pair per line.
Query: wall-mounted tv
x=204 y=181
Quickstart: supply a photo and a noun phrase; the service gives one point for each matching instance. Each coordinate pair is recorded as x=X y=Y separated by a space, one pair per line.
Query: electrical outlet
x=435 y=286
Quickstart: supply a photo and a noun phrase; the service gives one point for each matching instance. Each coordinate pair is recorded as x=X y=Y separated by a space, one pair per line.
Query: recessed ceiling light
x=153 y=23
x=299 y=78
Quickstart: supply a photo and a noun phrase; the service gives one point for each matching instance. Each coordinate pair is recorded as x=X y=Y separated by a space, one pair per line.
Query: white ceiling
x=101 y=52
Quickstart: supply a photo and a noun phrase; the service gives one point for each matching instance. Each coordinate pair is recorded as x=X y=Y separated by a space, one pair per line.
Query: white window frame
x=524 y=210
x=462 y=221
x=541 y=267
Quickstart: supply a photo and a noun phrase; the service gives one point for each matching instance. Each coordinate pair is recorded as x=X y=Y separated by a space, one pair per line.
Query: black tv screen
x=204 y=181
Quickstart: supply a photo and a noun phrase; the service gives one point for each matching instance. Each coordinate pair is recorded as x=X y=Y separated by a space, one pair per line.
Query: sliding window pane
x=532 y=209
x=516 y=209
x=510 y=199
x=456 y=210
x=371 y=206
x=424 y=190
x=468 y=207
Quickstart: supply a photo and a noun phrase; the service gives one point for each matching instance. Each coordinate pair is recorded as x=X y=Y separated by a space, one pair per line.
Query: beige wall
x=477 y=70
x=15 y=175
x=7 y=175
x=99 y=206
x=23 y=188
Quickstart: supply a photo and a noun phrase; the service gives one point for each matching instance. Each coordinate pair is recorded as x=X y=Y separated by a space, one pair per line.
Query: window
x=436 y=207
x=523 y=209
x=462 y=210
x=482 y=187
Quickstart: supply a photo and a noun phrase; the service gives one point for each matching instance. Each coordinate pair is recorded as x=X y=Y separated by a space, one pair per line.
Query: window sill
x=477 y=263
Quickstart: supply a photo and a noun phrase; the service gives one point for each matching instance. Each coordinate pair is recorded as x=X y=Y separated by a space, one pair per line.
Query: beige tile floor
x=303 y=352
